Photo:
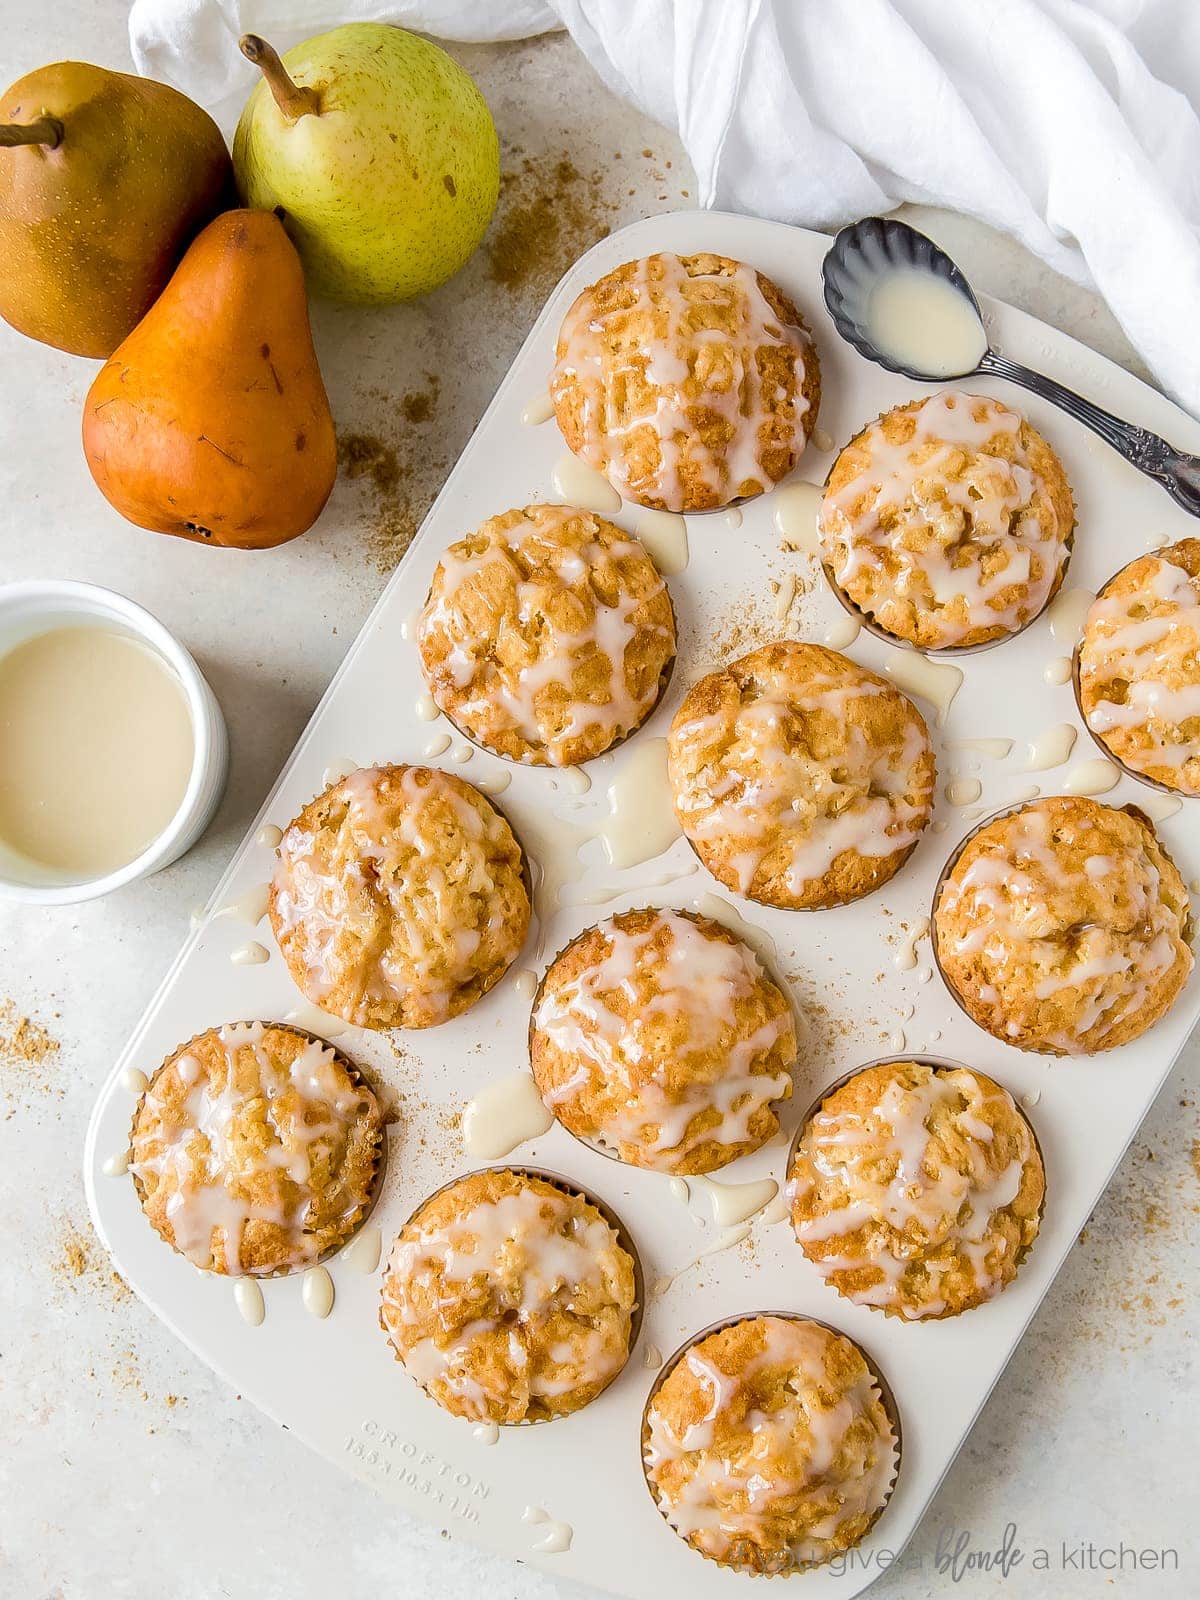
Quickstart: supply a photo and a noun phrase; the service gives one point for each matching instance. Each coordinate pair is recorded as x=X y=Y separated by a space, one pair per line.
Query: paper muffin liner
x=939 y=1064
x=868 y=623
x=1098 y=739
x=881 y=1388
x=357 y=1077
x=572 y=1190
x=664 y=683
x=952 y=861
x=595 y=1145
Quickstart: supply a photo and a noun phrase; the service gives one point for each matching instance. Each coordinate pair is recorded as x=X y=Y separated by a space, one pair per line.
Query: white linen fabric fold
x=1072 y=124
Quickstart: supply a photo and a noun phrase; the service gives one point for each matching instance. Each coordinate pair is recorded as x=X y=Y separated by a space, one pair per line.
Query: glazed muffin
x=768 y=1447
x=917 y=1189
x=255 y=1149
x=801 y=779
x=509 y=1299
x=688 y=381
x=658 y=1037
x=1063 y=927
x=399 y=898
x=948 y=521
x=547 y=636
x=1139 y=667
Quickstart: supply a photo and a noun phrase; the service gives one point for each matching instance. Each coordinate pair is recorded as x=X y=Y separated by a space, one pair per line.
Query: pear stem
x=47 y=131
x=293 y=99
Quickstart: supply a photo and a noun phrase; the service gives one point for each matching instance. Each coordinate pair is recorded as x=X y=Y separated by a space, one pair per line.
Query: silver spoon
x=862 y=253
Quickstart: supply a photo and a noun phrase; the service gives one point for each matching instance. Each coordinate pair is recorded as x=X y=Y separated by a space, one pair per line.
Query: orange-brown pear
x=211 y=421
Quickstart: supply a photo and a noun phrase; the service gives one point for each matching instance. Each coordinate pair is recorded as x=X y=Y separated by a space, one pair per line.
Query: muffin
x=768 y=1447
x=1139 y=667
x=917 y=1189
x=801 y=779
x=688 y=381
x=399 y=897
x=658 y=1037
x=509 y=1299
x=1062 y=927
x=255 y=1149
x=547 y=636
x=948 y=521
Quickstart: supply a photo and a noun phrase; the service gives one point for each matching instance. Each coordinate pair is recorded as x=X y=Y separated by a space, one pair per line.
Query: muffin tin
x=553 y=1495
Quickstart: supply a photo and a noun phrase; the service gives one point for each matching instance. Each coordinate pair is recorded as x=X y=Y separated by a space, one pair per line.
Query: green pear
x=105 y=179
x=379 y=154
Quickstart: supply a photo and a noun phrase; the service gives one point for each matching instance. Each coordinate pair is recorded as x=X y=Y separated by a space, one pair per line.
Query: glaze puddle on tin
x=134 y=1081
x=364 y=1250
x=994 y=749
x=680 y=1190
x=1051 y=748
x=641 y=821
x=665 y=536
x=248 y=1297
x=426 y=707
x=727 y=1239
x=487 y=1433
x=493 y=782
x=269 y=836
x=573 y=780
x=935 y=681
x=963 y=791
x=1091 y=777
x=842 y=633
x=538 y=410
x=503 y=1115
x=652 y=1357
x=117 y=1166
x=778 y=1210
x=525 y=982
x=250 y=907
x=252 y=954
x=611 y=891
x=436 y=745
x=582 y=486
x=96 y=749
x=905 y=958
x=555 y=1537
x=316 y=1292
x=410 y=626
x=822 y=441
x=1157 y=806
x=731 y=1203
x=338 y=769
x=462 y=752
x=795 y=516
x=733 y=517
x=919 y=320
x=1057 y=670
x=1067 y=613
x=305 y=1015
x=719 y=909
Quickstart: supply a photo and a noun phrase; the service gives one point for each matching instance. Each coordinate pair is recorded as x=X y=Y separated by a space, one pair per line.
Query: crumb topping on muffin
x=255 y=1149
x=948 y=521
x=547 y=635
x=688 y=381
x=768 y=1447
x=1063 y=927
x=917 y=1189
x=399 y=897
x=800 y=778
x=509 y=1299
x=657 y=1035
x=1139 y=667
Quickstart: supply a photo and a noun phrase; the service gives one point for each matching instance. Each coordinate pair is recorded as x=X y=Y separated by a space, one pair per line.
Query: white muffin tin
x=334 y=1382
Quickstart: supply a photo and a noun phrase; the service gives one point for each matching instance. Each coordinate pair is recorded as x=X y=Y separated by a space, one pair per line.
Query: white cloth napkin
x=1072 y=124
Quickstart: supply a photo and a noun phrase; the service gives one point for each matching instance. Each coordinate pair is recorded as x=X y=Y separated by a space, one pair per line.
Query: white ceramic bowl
x=35 y=606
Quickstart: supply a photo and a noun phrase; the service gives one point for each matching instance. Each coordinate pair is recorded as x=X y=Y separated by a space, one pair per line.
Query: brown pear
x=105 y=179
x=210 y=420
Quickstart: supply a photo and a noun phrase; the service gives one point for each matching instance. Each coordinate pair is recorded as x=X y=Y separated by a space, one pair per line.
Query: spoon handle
x=1177 y=472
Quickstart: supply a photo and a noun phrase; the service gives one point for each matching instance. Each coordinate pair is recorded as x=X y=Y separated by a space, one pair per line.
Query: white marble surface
x=126 y=1467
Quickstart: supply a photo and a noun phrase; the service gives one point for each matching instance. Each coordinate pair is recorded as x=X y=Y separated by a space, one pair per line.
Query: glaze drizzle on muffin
x=399 y=898
x=1139 y=667
x=801 y=779
x=767 y=1446
x=1063 y=927
x=688 y=381
x=917 y=1189
x=948 y=521
x=255 y=1149
x=509 y=1299
x=547 y=635
x=658 y=1036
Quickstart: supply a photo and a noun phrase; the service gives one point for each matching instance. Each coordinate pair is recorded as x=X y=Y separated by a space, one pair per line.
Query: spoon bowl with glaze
x=901 y=301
